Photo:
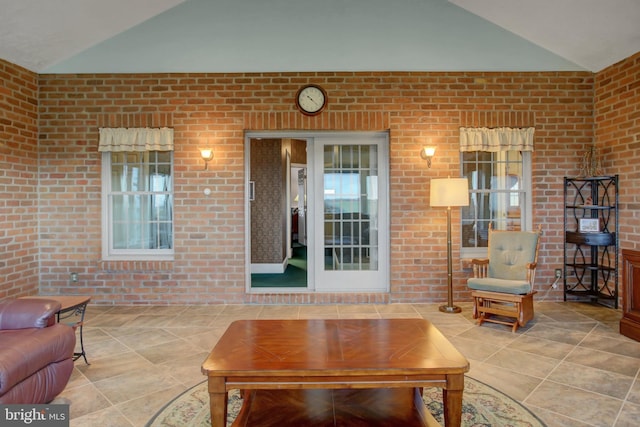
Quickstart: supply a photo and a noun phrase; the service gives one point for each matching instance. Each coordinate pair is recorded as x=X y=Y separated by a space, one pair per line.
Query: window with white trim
x=137 y=188
x=499 y=174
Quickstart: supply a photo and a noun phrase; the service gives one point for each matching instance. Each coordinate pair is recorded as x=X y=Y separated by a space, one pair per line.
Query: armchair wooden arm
x=531 y=273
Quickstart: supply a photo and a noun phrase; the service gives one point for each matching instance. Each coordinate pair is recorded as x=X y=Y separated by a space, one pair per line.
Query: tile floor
x=569 y=366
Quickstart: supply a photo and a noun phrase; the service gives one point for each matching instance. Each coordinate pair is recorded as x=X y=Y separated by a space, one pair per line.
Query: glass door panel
x=352 y=208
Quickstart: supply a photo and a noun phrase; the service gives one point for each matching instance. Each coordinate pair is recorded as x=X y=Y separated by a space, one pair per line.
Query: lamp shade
x=449 y=192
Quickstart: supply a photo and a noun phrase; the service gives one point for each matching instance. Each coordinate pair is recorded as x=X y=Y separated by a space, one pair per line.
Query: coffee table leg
x=217 y=402
x=452 y=400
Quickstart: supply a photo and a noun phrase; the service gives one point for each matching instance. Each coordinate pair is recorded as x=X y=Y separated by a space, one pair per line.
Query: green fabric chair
x=503 y=284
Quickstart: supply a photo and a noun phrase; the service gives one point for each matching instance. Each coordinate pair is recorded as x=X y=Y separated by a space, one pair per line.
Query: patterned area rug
x=482 y=406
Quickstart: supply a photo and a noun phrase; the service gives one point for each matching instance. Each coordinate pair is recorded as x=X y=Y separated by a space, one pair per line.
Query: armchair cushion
x=36 y=354
x=26 y=351
x=517 y=287
x=510 y=253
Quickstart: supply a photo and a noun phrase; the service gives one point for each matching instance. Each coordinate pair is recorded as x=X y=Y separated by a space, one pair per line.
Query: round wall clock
x=311 y=100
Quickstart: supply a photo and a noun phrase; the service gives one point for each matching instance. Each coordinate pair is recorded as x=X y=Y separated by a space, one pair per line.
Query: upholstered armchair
x=36 y=353
x=503 y=285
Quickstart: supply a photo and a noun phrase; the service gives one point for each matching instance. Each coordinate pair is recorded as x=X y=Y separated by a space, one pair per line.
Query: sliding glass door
x=351 y=212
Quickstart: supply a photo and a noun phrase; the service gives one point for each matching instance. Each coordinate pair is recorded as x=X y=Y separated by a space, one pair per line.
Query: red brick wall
x=617 y=129
x=209 y=267
x=18 y=181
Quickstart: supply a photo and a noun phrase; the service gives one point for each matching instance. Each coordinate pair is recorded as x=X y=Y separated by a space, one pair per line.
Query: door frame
x=309 y=136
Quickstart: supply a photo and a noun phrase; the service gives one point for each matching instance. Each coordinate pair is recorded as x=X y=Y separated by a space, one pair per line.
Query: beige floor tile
x=123 y=331
x=451 y=330
x=400 y=315
x=611 y=330
x=597 y=312
x=93 y=335
x=94 y=309
x=605 y=360
x=204 y=340
x=279 y=312
x=140 y=410
x=552 y=419
x=523 y=363
x=147 y=321
x=171 y=350
x=349 y=315
x=578 y=404
x=224 y=320
x=472 y=349
x=620 y=345
x=190 y=321
x=104 y=348
x=211 y=310
x=108 y=319
x=84 y=400
x=135 y=384
x=516 y=385
x=129 y=309
x=244 y=311
x=444 y=320
x=634 y=393
x=318 y=312
x=433 y=308
x=629 y=417
x=109 y=417
x=568 y=316
x=186 y=370
x=559 y=333
x=77 y=379
x=112 y=366
x=168 y=310
x=396 y=309
x=591 y=379
x=495 y=334
x=542 y=347
x=147 y=337
x=188 y=331
x=351 y=309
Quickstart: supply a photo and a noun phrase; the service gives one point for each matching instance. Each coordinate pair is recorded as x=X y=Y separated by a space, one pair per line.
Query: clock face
x=311 y=99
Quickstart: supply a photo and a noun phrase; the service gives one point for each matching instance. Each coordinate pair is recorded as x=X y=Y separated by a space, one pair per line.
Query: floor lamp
x=448 y=192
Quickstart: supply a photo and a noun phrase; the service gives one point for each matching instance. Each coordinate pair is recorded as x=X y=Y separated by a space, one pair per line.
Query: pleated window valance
x=496 y=139
x=136 y=139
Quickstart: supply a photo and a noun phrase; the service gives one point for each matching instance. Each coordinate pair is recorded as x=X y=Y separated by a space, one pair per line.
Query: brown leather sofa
x=36 y=353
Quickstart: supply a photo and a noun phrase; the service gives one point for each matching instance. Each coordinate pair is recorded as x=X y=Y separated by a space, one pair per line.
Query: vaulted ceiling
x=77 y=36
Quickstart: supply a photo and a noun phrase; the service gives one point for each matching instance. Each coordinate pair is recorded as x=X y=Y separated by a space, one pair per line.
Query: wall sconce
x=427 y=153
x=207 y=155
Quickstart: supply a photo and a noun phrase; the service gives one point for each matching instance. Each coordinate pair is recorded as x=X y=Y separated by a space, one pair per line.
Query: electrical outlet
x=558 y=273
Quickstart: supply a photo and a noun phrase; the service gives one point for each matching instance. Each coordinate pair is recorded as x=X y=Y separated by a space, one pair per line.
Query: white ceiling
x=307 y=35
x=38 y=33
x=591 y=33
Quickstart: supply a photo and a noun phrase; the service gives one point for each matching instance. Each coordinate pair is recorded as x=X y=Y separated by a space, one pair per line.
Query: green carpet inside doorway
x=295 y=276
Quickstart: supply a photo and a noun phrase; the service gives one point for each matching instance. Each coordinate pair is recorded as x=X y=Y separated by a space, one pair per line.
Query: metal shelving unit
x=591 y=239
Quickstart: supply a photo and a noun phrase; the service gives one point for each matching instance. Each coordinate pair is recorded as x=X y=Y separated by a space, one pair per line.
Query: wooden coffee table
x=334 y=354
